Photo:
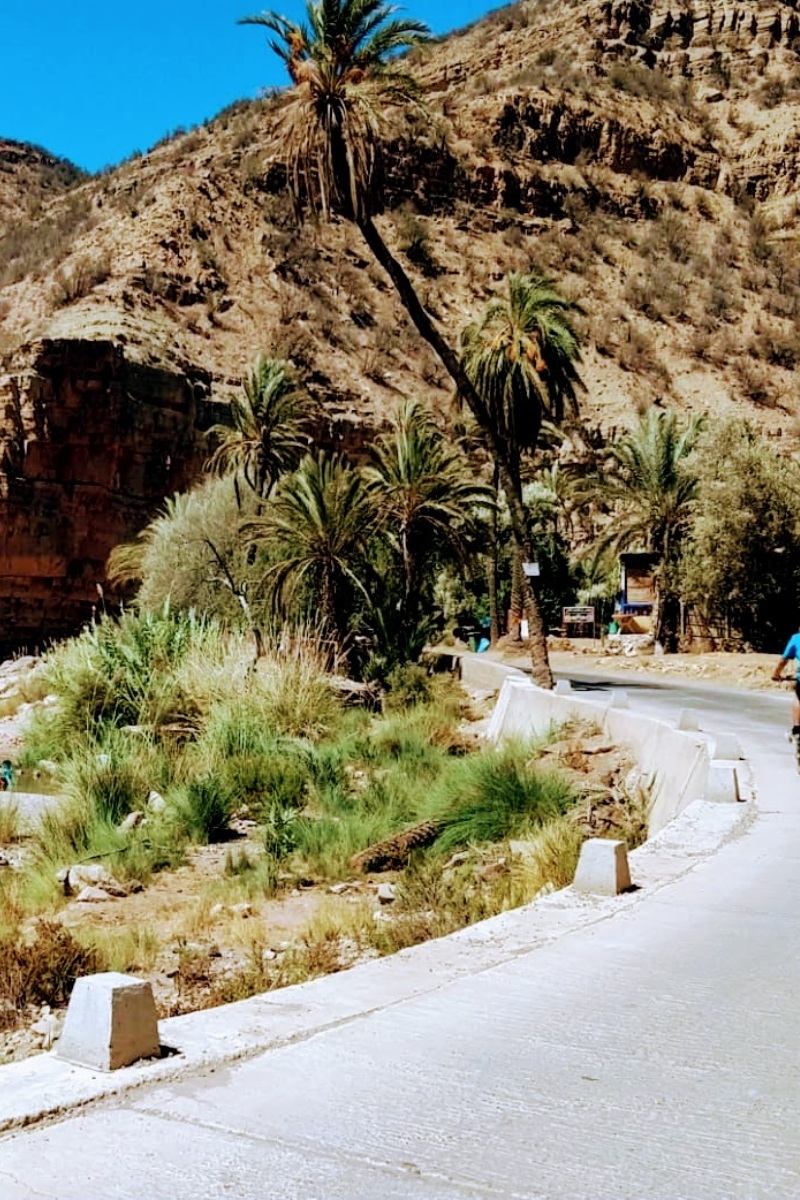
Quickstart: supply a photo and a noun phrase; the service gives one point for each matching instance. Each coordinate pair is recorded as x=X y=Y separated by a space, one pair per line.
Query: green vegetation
x=346 y=69
x=166 y=736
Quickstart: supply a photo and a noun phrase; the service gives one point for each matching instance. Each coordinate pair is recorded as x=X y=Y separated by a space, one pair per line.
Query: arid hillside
x=647 y=158
x=29 y=177
x=644 y=155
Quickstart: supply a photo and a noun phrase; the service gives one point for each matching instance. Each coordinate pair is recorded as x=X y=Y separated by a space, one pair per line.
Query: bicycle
x=791 y=737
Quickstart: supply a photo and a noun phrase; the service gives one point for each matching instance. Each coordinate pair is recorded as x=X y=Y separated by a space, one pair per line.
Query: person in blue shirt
x=792 y=651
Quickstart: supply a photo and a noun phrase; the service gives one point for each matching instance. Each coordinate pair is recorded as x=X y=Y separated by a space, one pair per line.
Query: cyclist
x=792 y=651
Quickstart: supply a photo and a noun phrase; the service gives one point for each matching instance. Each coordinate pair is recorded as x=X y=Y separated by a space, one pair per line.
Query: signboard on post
x=578 y=614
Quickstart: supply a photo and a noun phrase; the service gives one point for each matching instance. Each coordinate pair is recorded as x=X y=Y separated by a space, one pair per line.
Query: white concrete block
x=722 y=785
x=111 y=1022
x=688 y=720
x=726 y=745
x=563 y=687
x=602 y=868
x=619 y=698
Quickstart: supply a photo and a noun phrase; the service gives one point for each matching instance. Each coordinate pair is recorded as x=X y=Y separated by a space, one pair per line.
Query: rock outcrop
x=90 y=444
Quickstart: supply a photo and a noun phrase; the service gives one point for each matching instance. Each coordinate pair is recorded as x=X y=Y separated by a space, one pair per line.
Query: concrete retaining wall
x=674 y=764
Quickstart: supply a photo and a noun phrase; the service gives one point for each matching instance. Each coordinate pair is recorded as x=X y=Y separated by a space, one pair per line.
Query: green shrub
x=204 y=808
x=409 y=685
x=110 y=777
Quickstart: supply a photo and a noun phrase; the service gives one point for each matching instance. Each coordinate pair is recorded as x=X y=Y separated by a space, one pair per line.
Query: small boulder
x=242 y=910
x=93 y=895
x=48 y=766
x=132 y=821
x=156 y=802
x=387 y=893
x=47 y=1030
x=493 y=870
x=90 y=876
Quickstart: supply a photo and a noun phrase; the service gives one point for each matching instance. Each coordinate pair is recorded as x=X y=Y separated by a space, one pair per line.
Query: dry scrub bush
x=79 y=279
x=41 y=969
x=29 y=246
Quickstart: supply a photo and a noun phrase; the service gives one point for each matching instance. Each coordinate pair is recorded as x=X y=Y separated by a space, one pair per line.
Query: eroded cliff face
x=90 y=444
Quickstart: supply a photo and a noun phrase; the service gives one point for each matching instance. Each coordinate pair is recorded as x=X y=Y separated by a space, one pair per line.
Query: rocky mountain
x=644 y=153
x=29 y=177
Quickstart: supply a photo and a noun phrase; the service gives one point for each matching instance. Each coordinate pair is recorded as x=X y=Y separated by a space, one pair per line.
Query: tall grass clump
x=204 y=808
x=124 y=671
x=10 y=818
x=497 y=795
x=113 y=776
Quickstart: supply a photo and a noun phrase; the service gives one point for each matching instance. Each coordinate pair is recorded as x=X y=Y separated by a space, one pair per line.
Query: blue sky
x=94 y=81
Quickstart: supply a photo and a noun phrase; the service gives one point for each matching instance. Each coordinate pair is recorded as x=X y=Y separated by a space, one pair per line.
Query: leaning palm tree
x=346 y=73
x=424 y=494
x=521 y=357
x=269 y=434
x=318 y=522
x=651 y=489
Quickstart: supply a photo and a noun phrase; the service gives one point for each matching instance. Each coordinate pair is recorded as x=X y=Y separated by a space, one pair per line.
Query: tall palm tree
x=521 y=358
x=346 y=75
x=423 y=493
x=651 y=491
x=269 y=432
x=319 y=519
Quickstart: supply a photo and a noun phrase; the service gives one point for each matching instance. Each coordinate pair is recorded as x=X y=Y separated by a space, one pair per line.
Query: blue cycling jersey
x=793 y=651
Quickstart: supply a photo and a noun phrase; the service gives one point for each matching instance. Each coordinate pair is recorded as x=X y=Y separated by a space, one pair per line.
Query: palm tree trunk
x=517 y=604
x=494 y=613
x=540 y=666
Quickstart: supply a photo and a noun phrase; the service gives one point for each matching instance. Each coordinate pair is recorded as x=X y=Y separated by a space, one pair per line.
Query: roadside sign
x=579 y=614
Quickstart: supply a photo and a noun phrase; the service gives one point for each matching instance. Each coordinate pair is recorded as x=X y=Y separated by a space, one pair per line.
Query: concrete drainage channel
x=695 y=810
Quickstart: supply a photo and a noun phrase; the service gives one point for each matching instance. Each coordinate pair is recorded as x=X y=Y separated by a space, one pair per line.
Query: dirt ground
x=753 y=671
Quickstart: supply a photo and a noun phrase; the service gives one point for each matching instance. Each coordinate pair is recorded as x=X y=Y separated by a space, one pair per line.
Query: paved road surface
x=654 y=1054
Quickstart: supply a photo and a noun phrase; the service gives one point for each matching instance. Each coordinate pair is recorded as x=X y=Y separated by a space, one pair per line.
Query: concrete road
x=652 y=1054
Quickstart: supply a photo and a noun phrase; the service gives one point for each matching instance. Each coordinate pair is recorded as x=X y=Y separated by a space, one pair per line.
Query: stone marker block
x=562 y=686
x=602 y=868
x=111 y=1022
x=726 y=745
x=619 y=699
x=722 y=785
x=688 y=720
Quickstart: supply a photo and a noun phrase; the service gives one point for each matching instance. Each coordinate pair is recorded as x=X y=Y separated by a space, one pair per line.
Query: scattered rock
x=4 y=861
x=492 y=870
x=214 y=951
x=156 y=802
x=461 y=857
x=89 y=875
x=339 y=889
x=242 y=910
x=47 y=1030
x=132 y=821
x=387 y=893
x=269 y=955
x=216 y=910
x=93 y=895
x=48 y=766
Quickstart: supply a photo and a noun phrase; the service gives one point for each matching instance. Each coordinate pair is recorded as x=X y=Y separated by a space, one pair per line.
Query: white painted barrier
x=675 y=764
